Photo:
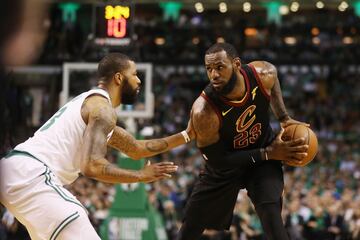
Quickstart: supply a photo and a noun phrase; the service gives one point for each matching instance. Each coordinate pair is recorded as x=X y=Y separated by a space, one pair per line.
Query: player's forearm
x=153 y=147
x=277 y=102
x=137 y=149
x=104 y=171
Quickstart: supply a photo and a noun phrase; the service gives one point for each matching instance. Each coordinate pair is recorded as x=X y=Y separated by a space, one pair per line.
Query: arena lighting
x=290 y=40
x=159 y=41
x=250 y=32
x=199 y=7
x=356 y=5
x=223 y=7
x=196 y=20
x=284 y=10
x=220 y=40
x=316 y=40
x=69 y=10
x=247 y=7
x=348 y=40
x=320 y=4
x=315 y=31
x=294 y=7
x=341 y=9
x=273 y=11
x=343 y=6
x=171 y=10
x=195 y=40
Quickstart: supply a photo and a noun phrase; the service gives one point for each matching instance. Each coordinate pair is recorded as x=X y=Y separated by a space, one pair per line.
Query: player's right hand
x=292 y=150
x=289 y=121
x=157 y=171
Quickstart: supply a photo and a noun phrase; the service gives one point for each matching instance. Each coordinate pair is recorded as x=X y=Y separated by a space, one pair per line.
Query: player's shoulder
x=263 y=64
x=264 y=67
x=203 y=111
x=201 y=106
x=98 y=108
x=266 y=72
x=205 y=121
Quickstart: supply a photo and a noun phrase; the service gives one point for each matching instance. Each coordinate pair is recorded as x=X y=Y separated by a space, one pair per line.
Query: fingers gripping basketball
x=297 y=131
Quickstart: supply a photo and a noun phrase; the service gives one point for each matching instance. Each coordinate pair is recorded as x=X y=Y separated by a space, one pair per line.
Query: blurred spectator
x=334 y=222
x=294 y=222
x=315 y=226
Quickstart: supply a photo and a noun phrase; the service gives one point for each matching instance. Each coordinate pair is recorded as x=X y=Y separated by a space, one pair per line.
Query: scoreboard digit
x=113 y=24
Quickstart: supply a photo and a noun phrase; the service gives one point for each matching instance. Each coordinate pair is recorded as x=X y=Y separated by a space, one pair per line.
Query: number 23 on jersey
x=245 y=136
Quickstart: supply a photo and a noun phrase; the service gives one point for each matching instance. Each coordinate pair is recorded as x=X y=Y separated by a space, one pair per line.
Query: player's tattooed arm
x=101 y=119
x=137 y=149
x=206 y=123
x=269 y=78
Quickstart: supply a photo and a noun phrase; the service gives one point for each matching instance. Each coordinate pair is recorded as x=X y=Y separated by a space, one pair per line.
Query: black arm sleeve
x=217 y=156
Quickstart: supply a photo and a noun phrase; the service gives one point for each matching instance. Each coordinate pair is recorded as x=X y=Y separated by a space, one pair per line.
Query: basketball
x=296 y=131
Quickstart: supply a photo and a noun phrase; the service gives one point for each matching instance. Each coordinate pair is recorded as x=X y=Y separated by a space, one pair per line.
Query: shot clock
x=113 y=24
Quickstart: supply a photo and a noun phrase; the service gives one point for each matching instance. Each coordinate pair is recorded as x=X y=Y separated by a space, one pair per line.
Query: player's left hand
x=289 y=121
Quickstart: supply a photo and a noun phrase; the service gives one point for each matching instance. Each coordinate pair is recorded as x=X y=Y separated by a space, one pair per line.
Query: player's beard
x=230 y=85
x=128 y=94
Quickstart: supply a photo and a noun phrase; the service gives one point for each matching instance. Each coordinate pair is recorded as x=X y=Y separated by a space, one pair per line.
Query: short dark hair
x=111 y=64
x=227 y=47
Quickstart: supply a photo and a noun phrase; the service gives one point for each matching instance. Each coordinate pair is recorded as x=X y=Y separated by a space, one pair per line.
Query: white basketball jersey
x=58 y=143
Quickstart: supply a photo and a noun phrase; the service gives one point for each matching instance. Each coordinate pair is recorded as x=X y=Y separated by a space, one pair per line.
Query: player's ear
x=118 y=77
x=237 y=63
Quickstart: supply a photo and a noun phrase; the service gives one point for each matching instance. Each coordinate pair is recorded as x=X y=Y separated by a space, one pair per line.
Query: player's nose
x=214 y=74
x=138 y=81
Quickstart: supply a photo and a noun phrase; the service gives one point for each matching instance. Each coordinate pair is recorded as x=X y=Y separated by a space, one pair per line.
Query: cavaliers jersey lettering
x=245 y=124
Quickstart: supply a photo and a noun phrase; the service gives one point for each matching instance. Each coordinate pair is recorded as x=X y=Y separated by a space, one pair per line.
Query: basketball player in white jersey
x=74 y=141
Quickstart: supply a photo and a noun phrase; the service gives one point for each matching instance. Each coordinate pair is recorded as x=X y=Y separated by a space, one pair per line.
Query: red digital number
x=116 y=27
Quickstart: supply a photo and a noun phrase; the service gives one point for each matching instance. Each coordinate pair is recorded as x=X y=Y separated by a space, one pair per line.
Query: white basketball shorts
x=30 y=191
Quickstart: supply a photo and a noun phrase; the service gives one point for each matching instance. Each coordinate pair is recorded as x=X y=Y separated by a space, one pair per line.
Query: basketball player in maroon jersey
x=241 y=151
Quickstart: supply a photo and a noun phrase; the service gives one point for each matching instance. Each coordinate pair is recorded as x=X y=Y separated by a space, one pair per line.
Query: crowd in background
x=310 y=36
x=321 y=200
